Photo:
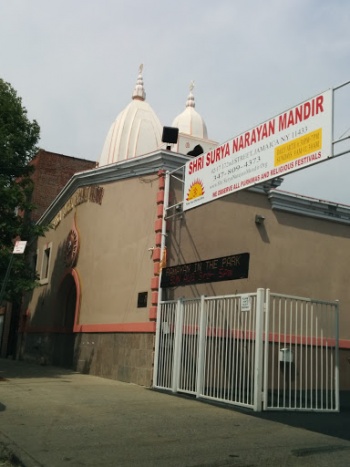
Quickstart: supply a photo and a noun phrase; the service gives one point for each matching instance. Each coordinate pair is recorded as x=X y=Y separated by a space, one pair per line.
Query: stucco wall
x=114 y=262
x=288 y=253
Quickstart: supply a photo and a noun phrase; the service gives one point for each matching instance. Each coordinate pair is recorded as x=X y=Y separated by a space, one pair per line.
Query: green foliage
x=18 y=145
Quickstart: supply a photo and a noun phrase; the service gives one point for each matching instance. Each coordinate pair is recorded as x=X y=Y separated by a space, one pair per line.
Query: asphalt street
x=54 y=417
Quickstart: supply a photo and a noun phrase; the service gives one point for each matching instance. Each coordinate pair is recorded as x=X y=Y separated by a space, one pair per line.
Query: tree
x=18 y=145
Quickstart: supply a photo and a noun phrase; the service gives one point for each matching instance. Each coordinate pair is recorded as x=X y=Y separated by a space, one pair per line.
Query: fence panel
x=229 y=350
x=301 y=354
x=165 y=339
x=189 y=346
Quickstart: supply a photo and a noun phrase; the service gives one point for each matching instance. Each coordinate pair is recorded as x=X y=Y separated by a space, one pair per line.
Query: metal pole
x=7 y=275
x=160 y=292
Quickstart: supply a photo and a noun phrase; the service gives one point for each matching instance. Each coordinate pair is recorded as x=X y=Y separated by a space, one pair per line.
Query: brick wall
x=52 y=172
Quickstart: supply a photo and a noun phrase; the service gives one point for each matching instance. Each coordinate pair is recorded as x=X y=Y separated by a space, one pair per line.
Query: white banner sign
x=290 y=141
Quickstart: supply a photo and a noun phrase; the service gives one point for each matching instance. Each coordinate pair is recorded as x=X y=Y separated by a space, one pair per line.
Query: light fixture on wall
x=259 y=219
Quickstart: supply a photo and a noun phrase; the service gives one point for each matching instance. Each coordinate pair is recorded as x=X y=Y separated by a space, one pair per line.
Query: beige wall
x=114 y=263
x=289 y=254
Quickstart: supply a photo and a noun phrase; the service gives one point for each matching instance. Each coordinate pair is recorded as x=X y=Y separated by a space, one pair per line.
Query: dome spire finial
x=139 y=90
x=190 y=98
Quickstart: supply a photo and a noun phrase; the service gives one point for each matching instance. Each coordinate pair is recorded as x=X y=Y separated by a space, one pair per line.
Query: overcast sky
x=75 y=64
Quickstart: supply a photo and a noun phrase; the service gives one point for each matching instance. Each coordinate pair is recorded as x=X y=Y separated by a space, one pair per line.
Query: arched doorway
x=67 y=307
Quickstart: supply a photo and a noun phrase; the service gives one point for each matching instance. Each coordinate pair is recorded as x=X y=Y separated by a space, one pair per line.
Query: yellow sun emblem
x=196 y=190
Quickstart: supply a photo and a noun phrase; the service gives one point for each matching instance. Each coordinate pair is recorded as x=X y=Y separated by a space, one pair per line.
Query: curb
x=16 y=456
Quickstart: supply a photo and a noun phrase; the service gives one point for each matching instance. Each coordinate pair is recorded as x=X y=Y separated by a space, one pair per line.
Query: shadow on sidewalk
x=21 y=369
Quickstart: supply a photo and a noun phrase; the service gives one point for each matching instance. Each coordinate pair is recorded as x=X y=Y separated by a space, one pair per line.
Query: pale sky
x=75 y=64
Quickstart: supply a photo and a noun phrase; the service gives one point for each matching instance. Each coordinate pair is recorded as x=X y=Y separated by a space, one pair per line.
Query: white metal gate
x=259 y=350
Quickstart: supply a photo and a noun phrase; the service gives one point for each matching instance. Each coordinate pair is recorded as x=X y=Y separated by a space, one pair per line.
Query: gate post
x=156 y=347
x=177 y=346
x=266 y=333
x=201 y=346
x=258 y=358
x=336 y=370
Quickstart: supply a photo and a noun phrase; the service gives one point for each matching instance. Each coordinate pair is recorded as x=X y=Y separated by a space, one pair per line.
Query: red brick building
x=52 y=172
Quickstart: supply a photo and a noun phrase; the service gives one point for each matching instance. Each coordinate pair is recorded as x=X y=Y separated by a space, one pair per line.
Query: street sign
x=19 y=247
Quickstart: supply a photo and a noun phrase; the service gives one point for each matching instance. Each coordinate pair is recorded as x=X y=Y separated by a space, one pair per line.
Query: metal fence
x=257 y=350
x=301 y=354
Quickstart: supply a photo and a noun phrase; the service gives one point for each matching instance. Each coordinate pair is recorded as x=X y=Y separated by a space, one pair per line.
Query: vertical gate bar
x=221 y=343
x=230 y=353
x=192 y=357
x=210 y=342
x=235 y=349
x=157 y=345
x=284 y=346
x=227 y=346
x=168 y=343
x=195 y=348
x=273 y=350
x=201 y=347
x=321 y=364
x=250 y=374
x=182 y=357
x=279 y=366
x=240 y=357
x=296 y=353
x=164 y=369
x=216 y=349
x=331 y=351
x=311 y=355
x=318 y=347
x=291 y=317
x=307 y=352
x=258 y=350
x=266 y=333
x=336 y=370
x=301 y=352
x=244 y=358
x=177 y=346
x=186 y=344
x=165 y=364
x=327 y=375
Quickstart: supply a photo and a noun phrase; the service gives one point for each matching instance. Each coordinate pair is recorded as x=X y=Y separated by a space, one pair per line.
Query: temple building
x=115 y=227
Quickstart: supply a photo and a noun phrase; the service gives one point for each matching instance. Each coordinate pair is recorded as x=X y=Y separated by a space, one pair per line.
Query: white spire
x=189 y=122
x=190 y=98
x=139 y=91
x=136 y=130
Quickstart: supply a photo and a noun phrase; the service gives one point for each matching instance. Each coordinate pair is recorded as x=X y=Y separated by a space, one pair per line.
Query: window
x=142 y=300
x=45 y=264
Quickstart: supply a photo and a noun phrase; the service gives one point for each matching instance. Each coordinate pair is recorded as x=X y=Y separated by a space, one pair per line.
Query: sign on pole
x=292 y=140
x=19 y=247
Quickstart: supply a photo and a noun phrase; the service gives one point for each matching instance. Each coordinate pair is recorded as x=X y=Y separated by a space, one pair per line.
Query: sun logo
x=196 y=190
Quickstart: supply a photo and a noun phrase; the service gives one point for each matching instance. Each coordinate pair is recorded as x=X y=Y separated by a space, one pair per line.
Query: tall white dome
x=135 y=132
x=189 y=121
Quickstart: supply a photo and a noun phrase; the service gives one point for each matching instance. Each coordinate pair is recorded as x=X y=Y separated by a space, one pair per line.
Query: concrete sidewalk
x=53 y=417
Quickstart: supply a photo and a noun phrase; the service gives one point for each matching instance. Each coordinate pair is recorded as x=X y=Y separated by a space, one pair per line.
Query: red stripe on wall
x=118 y=327
x=80 y=328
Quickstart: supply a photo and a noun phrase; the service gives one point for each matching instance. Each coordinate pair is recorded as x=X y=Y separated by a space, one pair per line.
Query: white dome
x=135 y=132
x=189 y=121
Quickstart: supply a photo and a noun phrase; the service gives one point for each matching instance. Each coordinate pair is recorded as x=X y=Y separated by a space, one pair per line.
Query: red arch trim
x=74 y=273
